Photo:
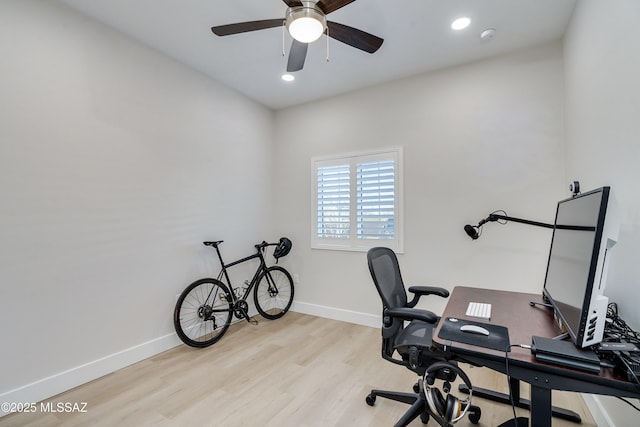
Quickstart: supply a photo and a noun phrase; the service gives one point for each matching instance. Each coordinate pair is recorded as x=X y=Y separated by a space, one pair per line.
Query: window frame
x=353 y=243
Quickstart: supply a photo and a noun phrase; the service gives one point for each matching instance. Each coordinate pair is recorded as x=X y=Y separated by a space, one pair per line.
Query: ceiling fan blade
x=328 y=6
x=354 y=37
x=244 y=27
x=292 y=3
x=297 y=55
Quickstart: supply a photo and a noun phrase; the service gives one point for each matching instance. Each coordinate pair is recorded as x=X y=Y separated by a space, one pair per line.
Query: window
x=356 y=201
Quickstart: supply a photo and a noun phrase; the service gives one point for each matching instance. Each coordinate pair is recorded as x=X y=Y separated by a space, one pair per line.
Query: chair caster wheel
x=474 y=416
x=370 y=399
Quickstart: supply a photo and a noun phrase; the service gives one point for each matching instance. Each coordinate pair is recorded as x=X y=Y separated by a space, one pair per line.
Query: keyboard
x=479 y=309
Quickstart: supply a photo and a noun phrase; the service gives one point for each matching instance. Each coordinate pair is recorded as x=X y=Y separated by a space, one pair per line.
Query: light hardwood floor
x=296 y=371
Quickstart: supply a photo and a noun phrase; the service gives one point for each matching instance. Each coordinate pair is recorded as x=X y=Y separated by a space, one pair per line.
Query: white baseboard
x=598 y=412
x=48 y=387
x=55 y=384
x=358 y=318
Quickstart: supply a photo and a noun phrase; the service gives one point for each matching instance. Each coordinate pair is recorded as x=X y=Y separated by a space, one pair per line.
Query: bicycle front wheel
x=273 y=294
x=203 y=313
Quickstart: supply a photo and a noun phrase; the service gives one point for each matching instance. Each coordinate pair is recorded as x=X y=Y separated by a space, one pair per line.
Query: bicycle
x=204 y=310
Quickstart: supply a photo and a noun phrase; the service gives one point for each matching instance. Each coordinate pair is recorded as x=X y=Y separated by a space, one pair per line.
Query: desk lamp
x=475 y=231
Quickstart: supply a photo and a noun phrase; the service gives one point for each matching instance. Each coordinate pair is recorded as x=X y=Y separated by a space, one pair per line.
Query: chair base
x=416 y=400
x=419 y=407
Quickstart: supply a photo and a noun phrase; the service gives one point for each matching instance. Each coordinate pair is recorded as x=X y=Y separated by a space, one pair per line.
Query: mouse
x=473 y=329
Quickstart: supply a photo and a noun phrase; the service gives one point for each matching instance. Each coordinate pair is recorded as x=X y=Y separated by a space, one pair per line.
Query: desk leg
x=514 y=387
x=541 y=409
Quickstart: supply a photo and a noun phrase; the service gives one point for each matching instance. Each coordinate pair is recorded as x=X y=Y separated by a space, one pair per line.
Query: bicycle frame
x=261 y=269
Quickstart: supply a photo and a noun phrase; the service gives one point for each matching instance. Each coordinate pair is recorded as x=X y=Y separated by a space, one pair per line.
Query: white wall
x=115 y=164
x=602 y=110
x=476 y=138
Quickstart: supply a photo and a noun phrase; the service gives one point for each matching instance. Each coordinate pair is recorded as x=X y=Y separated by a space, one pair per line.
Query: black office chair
x=412 y=342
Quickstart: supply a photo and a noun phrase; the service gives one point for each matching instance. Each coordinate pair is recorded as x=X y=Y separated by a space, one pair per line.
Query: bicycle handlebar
x=264 y=245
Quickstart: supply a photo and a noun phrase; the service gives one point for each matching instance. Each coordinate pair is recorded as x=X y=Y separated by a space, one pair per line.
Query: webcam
x=574 y=187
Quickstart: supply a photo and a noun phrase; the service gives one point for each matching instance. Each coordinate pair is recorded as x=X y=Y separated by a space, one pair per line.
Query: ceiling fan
x=306 y=21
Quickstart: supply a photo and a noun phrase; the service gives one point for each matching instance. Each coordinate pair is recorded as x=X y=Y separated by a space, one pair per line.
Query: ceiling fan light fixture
x=306 y=23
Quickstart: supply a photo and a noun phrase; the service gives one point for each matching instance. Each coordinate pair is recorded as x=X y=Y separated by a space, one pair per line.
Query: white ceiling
x=417 y=38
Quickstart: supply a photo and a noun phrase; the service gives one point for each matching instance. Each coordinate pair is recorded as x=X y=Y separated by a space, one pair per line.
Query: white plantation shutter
x=357 y=201
x=333 y=201
x=375 y=212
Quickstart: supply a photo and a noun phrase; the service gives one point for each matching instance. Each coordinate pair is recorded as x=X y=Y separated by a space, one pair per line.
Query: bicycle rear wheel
x=203 y=313
x=273 y=294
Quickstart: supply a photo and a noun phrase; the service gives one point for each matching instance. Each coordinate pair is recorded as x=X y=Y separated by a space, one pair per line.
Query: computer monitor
x=586 y=228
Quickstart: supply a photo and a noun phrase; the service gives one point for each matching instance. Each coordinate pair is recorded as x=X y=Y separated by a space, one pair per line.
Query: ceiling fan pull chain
x=283 y=28
x=327 y=36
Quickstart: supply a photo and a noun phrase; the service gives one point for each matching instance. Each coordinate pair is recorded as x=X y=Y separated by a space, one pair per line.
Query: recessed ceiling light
x=288 y=77
x=461 y=23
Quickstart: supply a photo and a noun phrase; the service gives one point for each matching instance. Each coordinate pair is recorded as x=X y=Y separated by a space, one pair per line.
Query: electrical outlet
x=296 y=278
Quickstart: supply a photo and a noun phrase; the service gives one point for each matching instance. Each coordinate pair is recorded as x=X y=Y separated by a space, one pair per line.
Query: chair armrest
x=429 y=290
x=405 y=313
x=419 y=291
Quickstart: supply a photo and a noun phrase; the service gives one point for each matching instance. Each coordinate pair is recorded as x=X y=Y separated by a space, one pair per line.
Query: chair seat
x=416 y=333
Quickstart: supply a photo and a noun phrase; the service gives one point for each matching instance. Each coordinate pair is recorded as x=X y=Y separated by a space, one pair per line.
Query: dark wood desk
x=512 y=310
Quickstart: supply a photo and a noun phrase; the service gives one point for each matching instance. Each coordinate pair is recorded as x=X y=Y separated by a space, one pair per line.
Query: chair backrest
x=385 y=272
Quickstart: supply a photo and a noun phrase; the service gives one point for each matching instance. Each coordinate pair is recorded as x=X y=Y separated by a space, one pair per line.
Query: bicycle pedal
x=253 y=321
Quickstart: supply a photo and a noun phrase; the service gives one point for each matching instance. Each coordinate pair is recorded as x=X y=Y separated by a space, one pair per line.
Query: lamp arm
x=496 y=217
